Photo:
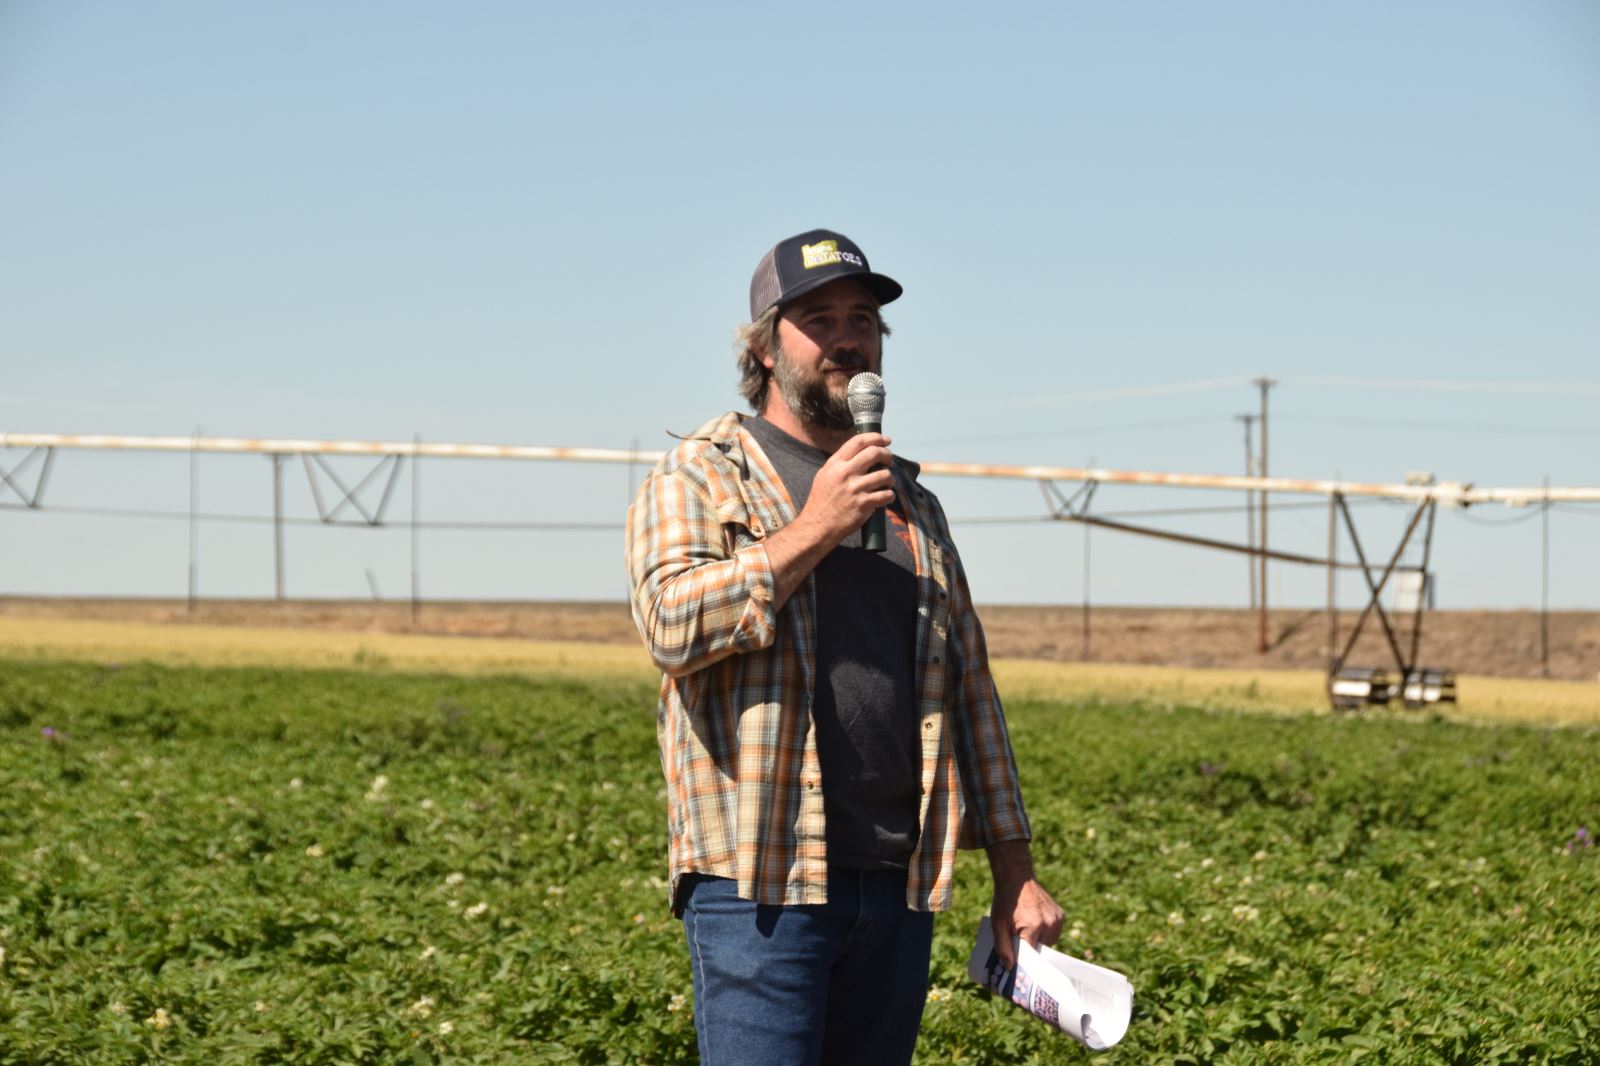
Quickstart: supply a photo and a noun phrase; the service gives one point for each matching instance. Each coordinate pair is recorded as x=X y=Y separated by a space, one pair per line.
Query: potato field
x=269 y=865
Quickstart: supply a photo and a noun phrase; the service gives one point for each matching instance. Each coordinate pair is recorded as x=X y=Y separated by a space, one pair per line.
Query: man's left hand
x=1022 y=907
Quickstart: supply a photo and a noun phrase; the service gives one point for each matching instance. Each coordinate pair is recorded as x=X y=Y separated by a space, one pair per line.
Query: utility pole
x=1249 y=506
x=1263 y=383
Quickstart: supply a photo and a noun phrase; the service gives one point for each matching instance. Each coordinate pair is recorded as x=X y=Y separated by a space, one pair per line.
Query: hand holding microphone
x=865 y=396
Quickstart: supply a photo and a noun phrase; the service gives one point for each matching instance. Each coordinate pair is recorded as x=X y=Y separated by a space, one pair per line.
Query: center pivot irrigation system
x=1348 y=685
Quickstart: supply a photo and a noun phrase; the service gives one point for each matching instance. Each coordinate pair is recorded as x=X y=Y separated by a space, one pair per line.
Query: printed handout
x=1089 y=1003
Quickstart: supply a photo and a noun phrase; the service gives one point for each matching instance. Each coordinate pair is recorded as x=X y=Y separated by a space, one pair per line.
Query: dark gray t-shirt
x=864 y=705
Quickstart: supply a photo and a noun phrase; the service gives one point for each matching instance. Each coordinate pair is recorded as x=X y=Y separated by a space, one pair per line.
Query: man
x=829 y=730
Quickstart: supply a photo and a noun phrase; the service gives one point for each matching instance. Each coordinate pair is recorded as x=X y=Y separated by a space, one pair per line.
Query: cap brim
x=883 y=288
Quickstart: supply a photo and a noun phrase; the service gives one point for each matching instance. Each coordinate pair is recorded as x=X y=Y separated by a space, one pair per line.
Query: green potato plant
x=312 y=866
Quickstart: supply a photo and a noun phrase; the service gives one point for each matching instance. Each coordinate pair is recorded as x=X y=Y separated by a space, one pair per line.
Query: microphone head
x=865 y=397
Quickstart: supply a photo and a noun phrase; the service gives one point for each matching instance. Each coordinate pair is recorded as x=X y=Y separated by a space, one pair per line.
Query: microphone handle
x=875 y=532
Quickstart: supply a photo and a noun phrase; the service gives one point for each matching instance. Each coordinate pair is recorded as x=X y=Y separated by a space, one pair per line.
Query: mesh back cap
x=808 y=261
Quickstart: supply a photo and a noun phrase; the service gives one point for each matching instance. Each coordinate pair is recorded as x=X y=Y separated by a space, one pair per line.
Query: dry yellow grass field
x=1269 y=691
x=1493 y=643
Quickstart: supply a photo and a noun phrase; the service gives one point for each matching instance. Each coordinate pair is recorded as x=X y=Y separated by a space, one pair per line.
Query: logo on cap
x=826 y=253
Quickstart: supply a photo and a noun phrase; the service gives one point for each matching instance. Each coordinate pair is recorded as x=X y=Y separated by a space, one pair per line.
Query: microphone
x=865 y=397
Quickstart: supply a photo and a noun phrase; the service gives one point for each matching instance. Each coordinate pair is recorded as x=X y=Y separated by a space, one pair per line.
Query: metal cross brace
x=10 y=477
x=1061 y=506
x=352 y=496
x=1375 y=589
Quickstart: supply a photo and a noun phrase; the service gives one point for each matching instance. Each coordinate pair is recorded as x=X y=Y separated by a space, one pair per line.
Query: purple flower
x=1209 y=769
x=48 y=733
x=1580 y=839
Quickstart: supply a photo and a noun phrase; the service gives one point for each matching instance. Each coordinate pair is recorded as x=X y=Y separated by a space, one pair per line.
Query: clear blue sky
x=535 y=223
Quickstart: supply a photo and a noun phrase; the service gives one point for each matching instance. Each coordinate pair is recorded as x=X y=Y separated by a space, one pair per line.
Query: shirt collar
x=725 y=432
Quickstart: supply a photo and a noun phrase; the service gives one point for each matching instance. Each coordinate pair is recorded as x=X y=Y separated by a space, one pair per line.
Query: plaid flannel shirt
x=738 y=746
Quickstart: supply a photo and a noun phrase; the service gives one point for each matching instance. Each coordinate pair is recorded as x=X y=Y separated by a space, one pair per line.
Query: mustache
x=851 y=360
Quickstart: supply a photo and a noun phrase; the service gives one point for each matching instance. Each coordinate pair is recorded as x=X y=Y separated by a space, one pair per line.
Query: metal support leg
x=416 y=524
x=1333 y=569
x=277 y=523
x=1422 y=585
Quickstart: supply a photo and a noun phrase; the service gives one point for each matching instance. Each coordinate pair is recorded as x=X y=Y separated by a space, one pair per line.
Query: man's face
x=826 y=337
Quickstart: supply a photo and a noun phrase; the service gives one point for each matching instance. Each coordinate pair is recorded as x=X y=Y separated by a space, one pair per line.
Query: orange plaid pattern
x=744 y=786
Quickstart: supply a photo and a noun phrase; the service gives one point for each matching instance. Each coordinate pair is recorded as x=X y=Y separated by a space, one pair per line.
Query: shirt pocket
x=740 y=528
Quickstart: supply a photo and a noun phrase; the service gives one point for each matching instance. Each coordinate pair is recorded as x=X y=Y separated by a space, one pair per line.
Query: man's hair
x=751 y=341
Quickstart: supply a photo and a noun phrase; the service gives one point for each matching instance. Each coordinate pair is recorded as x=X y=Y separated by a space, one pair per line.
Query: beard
x=807 y=395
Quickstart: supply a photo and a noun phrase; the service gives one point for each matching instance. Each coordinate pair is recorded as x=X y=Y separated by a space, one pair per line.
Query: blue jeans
x=839 y=982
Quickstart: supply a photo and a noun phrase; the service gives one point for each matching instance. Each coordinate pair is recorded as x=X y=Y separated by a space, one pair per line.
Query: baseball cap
x=808 y=261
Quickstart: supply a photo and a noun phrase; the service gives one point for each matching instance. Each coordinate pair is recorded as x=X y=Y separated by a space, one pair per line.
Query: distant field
x=1486 y=643
x=1482 y=698
x=216 y=866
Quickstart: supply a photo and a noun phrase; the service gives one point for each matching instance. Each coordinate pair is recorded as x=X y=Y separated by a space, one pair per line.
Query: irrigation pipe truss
x=1450 y=494
x=1422 y=497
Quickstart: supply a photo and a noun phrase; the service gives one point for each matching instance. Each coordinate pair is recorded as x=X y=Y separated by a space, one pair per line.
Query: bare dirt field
x=1491 y=643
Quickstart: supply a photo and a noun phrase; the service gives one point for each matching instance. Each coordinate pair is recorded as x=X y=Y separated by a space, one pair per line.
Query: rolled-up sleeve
x=697 y=598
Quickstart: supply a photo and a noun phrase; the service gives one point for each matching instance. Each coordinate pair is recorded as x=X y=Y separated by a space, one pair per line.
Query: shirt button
x=936 y=660
x=927 y=725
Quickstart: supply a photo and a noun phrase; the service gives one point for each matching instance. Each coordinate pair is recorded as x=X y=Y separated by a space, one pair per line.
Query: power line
x=1129 y=392
x=465 y=524
x=1453 y=427
x=1391 y=384
x=1079 y=430
x=1480 y=520
x=1484 y=520
x=1452 y=385
x=290 y=520
x=1153 y=513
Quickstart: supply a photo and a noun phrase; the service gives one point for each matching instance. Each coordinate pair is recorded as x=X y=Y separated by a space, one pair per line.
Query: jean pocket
x=707 y=894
